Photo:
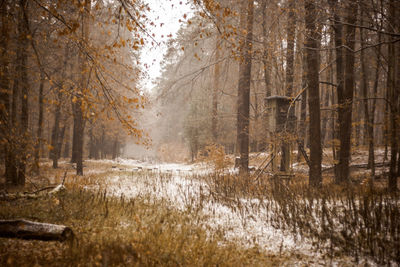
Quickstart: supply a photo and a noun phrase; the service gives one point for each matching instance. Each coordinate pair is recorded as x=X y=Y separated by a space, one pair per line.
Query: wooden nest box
x=281 y=122
x=277 y=114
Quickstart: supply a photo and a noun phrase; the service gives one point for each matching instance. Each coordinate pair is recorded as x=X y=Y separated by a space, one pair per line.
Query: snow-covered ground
x=247 y=222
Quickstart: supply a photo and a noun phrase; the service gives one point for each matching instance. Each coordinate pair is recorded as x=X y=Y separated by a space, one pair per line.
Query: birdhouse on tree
x=281 y=123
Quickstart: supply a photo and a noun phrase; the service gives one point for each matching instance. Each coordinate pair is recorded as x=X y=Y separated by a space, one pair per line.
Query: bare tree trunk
x=55 y=132
x=312 y=57
x=11 y=157
x=61 y=139
x=325 y=96
x=5 y=86
x=267 y=71
x=369 y=119
x=386 y=120
x=75 y=134
x=102 y=143
x=40 y=125
x=333 y=126
x=79 y=124
x=394 y=82
x=77 y=148
x=370 y=128
x=303 y=105
x=290 y=34
x=55 y=136
x=214 y=117
x=338 y=29
x=67 y=143
x=92 y=143
x=345 y=98
x=244 y=90
x=24 y=116
x=115 y=148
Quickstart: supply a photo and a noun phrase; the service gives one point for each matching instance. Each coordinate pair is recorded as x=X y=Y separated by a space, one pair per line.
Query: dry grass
x=357 y=220
x=144 y=231
x=115 y=231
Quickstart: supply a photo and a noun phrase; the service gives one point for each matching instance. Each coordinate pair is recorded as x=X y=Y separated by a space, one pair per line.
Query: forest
x=200 y=132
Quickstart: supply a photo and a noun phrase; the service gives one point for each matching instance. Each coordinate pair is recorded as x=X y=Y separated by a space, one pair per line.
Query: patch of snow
x=247 y=222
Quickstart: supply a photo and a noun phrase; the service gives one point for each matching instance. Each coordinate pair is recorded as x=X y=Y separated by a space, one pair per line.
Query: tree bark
x=303 y=105
x=290 y=34
x=24 y=116
x=326 y=96
x=75 y=132
x=34 y=230
x=115 y=148
x=55 y=132
x=79 y=124
x=214 y=117
x=39 y=132
x=364 y=89
x=338 y=29
x=345 y=97
x=5 y=87
x=77 y=148
x=370 y=128
x=267 y=72
x=67 y=142
x=394 y=83
x=244 y=90
x=92 y=141
x=11 y=157
x=61 y=137
x=312 y=58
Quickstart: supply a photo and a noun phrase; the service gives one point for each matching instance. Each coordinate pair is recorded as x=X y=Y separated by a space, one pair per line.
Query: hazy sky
x=168 y=13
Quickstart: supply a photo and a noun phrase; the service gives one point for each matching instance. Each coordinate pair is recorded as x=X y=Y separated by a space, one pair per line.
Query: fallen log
x=35 y=230
x=34 y=195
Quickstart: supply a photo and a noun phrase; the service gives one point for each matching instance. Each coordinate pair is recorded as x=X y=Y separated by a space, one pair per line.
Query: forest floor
x=130 y=212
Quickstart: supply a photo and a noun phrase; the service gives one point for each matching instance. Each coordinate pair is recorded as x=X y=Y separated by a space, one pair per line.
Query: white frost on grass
x=245 y=222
